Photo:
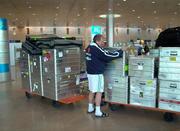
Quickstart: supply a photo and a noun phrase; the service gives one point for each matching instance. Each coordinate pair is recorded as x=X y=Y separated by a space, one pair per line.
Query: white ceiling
x=134 y=13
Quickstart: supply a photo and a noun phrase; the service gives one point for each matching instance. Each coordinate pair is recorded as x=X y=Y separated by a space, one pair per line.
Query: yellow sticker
x=172 y=58
x=149 y=82
x=126 y=68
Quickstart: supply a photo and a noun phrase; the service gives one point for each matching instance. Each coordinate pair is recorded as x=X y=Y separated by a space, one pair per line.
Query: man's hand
x=124 y=48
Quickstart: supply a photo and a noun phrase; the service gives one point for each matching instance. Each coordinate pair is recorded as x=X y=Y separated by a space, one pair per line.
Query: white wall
x=120 y=33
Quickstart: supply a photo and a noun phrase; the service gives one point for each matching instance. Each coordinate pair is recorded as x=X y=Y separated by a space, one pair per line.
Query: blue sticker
x=3 y=24
x=4 y=68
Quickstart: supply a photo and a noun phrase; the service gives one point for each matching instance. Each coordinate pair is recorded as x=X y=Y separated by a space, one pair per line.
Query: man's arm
x=106 y=55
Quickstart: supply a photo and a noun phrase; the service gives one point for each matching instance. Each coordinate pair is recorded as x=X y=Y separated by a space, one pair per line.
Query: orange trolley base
x=72 y=99
x=168 y=115
x=68 y=100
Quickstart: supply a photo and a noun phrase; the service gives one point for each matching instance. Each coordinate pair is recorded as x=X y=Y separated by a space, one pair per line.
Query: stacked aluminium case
x=31 y=67
x=169 y=78
x=116 y=81
x=25 y=71
x=50 y=66
x=61 y=69
x=143 y=84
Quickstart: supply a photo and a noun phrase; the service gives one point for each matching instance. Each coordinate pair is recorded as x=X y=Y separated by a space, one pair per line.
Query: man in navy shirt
x=96 y=59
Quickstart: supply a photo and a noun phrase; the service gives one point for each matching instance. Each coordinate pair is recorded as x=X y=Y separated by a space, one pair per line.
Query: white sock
x=98 y=111
x=90 y=107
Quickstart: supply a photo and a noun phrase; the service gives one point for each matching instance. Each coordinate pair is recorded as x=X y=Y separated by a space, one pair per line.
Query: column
x=110 y=25
x=4 y=51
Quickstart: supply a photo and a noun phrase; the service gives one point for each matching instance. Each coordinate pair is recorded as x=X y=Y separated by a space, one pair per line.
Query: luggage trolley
x=52 y=69
x=145 y=92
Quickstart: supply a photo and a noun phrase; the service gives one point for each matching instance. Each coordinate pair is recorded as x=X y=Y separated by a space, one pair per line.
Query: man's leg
x=98 y=102
x=91 y=102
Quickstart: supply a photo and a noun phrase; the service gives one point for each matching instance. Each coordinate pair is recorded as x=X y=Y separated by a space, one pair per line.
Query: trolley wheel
x=169 y=117
x=114 y=107
x=42 y=97
x=55 y=104
x=28 y=95
x=103 y=103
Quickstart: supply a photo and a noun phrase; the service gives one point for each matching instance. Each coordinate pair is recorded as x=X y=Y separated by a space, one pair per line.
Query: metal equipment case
x=25 y=71
x=169 y=63
x=61 y=68
x=116 y=80
x=169 y=72
x=143 y=83
x=142 y=66
x=116 y=89
x=169 y=96
x=36 y=74
x=143 y=91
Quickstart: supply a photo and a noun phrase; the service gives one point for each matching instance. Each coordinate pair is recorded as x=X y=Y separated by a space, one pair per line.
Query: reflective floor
x=17 y=113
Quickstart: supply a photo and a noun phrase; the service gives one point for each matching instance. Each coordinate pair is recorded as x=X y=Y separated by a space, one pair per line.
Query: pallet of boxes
x=116 y=81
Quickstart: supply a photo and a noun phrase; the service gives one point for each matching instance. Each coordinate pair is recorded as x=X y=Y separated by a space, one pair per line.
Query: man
x=96 y=59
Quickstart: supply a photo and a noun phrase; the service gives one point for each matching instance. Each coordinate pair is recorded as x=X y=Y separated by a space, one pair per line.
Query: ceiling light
x=133 y=10
x=29 y=7
x=84 y=8
x=56 y=14
x=175 y=13
x=178 y=4
x=78 y=15
x=153 y=2
x=33 y=14
x=154 y=11
x=138 y=17
x=124 y=0
x=104 y=15
x=57 y=7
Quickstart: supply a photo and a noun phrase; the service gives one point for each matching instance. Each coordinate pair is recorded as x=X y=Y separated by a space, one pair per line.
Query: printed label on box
x=140 y=67
x=45 y=70
x=77 y=80
x=60 y=54
x=149 y=82
x=110 y=86
x=67 y=69
x=67 y=51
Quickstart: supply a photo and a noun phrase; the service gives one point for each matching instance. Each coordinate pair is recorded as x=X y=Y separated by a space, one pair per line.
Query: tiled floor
x=37 y=114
